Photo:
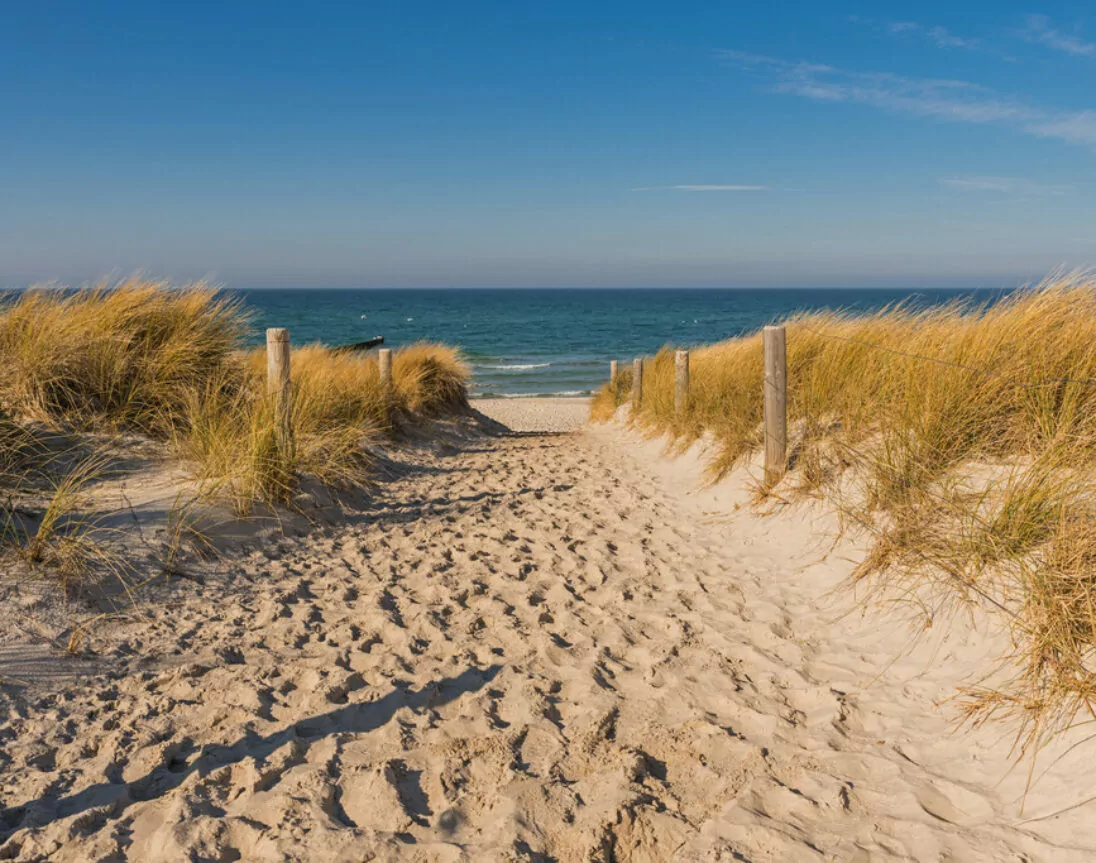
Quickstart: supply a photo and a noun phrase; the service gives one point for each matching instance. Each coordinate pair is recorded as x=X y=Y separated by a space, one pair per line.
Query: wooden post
x=776 y=403
x=637 y=383
x=681 y=381
x=277 y=382
x=384 y=363
x=613 y=369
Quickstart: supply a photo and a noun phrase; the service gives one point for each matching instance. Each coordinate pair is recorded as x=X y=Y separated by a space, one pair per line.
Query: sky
x=438 y=144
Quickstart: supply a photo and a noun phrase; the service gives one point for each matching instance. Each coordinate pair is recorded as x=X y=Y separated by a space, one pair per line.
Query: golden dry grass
x=612 y=395
x=119 y=356
x=338 y=408
x=143 y=356
x=963 y=439
x=430 y=379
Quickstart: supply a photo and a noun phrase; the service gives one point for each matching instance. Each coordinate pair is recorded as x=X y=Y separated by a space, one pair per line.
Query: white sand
x=531 y=648
x=528 y=415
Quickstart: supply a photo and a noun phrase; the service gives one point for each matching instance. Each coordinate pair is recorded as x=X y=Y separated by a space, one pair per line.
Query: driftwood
x=359 y=346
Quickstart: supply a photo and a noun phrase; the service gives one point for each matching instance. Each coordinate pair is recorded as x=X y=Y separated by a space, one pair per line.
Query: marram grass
x=168 y=362
x=119 y=357
x=963 y=439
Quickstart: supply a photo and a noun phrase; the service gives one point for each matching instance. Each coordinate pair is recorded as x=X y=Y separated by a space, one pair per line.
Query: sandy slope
x=536 y=414
x=530 y=648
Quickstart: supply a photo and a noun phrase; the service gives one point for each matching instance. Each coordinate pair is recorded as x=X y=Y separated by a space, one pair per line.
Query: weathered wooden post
x=637 y=383
x=613 y=369
x=681 y=381
x=384 y=363
x=277 y=382
x=776 y=403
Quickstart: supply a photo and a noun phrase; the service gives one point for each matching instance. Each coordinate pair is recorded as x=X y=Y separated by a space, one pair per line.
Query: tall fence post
x=384 y=367
x=637 y=383
x=384 y=364
x=776 y=403
x=681 y=381
x=614 y=368
x=277 y=382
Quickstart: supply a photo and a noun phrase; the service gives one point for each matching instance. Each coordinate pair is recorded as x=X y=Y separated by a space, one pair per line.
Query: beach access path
x=529 y=647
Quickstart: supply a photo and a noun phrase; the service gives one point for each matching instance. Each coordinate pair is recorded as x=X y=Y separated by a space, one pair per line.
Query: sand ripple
x=526 y=650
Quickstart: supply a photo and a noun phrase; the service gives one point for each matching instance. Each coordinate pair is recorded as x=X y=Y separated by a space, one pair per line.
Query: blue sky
x=565 y=143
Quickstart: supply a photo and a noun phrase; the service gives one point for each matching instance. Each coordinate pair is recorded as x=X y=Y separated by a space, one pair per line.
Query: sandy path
x=536 y=414
x=530 y=649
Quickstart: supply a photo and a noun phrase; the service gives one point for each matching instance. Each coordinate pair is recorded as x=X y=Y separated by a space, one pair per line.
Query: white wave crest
x=562 y=394
x=517 y=367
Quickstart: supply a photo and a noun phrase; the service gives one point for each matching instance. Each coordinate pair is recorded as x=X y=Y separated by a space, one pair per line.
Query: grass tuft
x=963 y=438
x=120 y=357
x=604 y=404
x=169 y=363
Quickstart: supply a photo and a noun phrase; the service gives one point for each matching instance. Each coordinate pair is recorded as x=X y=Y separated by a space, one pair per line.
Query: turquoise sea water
x=554 y=341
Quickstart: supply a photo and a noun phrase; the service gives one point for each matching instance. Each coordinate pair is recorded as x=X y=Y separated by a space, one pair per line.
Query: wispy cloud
x=946 y=39
x=958 y=101
x=941 y=36
x=1038 y=29
x=1078 y=127
x=700 y=188
x=1005 y=185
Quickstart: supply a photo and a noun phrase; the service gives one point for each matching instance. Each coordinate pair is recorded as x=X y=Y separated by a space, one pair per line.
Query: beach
x=540 y=433
x=530 y=647
x=536 y=414
x=553 y=342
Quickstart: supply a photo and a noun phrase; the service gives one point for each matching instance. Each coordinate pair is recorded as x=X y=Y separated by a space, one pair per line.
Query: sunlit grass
x=168 y=362
x=120 y=356
x=962 y=437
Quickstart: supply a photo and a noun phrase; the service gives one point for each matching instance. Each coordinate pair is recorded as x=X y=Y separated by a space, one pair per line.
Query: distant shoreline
x=546 y=343
x=587 y=395
x=532 y=414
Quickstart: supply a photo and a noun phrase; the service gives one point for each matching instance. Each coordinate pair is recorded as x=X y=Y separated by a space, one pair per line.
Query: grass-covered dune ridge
x=118 y=356
x=169 y=363
x=962 y=437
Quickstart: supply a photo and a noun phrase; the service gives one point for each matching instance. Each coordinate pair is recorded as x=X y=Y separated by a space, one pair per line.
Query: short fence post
x=384 y=364
x=637 y=383
x=681 y=381
x=613 y=369
x=776 y=403
x=277 y=383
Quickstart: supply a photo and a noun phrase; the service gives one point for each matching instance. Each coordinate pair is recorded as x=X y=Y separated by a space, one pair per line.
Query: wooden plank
x=384 y=363
x=277 y=382
x=776 y=403
x=681 y=382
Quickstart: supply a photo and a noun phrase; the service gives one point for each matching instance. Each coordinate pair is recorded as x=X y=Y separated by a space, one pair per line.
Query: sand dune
x=529 y=648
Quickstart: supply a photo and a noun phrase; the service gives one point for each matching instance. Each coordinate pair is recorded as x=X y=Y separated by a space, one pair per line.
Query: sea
x=556 y=342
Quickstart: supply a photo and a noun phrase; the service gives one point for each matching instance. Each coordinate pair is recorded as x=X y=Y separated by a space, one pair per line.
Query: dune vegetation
x=962 y=439
x=168 y=364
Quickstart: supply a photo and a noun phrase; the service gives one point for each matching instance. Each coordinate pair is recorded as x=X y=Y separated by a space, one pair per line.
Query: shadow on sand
x=187 y=759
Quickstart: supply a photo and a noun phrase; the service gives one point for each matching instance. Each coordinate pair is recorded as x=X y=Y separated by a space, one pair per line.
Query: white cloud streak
x=957 y=101
x=700 y=188
x=941 y=36
x=1039 y=29
x=945 y=39
x=1005 y=185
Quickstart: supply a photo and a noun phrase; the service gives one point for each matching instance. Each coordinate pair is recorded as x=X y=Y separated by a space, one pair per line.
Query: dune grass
x=430 y=379
x=611 y=396
x=963 y=439
x=144 y=357
x=119 y=357
x=339 y=407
